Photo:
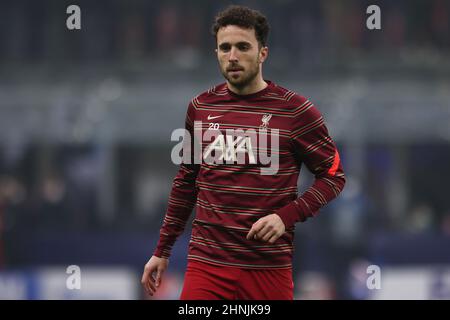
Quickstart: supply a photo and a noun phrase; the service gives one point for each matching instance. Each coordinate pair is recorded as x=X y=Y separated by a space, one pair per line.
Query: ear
x=263 y=53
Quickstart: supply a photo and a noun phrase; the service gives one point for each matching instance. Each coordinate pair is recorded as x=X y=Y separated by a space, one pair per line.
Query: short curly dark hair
x=243 y=17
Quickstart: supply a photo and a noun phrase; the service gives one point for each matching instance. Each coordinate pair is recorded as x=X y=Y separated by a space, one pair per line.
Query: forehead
x=234 y=34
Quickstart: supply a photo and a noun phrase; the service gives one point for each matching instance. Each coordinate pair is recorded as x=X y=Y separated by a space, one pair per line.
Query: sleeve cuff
x=161 y=252
x=292 y=213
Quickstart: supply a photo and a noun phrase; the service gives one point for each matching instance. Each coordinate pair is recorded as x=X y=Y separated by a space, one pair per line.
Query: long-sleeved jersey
x=230 y=195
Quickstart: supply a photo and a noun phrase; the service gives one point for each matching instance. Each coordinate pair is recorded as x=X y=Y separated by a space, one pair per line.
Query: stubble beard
x=245 y=79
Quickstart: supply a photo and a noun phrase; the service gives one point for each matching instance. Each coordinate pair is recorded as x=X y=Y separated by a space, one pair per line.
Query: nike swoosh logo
x=215 y=117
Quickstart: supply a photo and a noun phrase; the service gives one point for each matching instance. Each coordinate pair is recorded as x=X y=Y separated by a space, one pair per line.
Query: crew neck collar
x=251 y=95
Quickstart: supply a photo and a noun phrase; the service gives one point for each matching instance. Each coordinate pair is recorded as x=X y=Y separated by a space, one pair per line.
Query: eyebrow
x=236 y=44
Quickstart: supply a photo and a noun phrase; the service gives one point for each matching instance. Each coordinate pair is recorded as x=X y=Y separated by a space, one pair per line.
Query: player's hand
x=149 y=282
x=267 y=229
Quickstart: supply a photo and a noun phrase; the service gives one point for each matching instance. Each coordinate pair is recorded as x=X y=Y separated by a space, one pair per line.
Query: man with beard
x=242 y=236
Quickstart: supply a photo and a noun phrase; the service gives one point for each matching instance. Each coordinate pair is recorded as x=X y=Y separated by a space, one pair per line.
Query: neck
x=256 y=85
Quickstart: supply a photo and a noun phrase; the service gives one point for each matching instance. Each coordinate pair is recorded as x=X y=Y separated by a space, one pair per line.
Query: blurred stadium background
x=86 y=118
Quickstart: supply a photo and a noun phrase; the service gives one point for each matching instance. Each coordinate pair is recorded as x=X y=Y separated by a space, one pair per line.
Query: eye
x=243 y=46
x=225 y=47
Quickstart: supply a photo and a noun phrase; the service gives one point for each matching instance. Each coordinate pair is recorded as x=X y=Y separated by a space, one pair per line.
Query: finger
x=252 y=232
x=145 y=281
x=267 y=230
x=268 y=235
x=149 y=281
x=151 y=284
x=159 y=275
x=274 y=238
x=144 y=277
x=257 y=226
x=146 y=273
x=261 y=233
x=149 y=288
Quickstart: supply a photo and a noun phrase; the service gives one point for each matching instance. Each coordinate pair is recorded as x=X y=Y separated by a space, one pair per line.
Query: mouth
x=235 y=72
x=235 y=69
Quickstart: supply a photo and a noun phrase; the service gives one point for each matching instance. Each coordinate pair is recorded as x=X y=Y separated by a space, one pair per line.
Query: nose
x=233 y=55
